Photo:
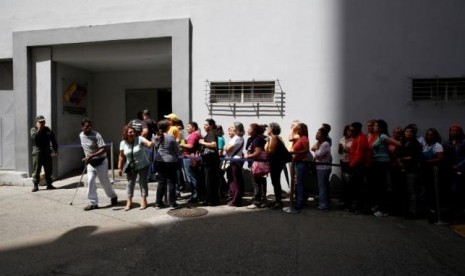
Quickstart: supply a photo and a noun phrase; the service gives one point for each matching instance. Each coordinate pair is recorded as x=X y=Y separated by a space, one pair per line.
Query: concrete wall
x=178 y=30
x=7 y=130
x=338 y=61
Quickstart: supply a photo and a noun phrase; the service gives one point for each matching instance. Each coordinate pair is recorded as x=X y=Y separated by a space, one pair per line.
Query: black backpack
x=281 y=153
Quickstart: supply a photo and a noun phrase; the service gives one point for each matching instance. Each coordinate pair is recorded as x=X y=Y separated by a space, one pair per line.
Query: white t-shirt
x=237 y=145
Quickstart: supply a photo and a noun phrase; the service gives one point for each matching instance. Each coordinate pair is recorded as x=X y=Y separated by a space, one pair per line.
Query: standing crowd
x=400 y=174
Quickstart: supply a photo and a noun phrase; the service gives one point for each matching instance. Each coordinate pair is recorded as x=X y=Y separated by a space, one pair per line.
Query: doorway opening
x=157 y=100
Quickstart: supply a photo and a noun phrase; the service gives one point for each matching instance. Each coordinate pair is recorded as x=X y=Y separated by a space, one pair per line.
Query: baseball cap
x=146 y=111
x=40 y=118
x=172 y=117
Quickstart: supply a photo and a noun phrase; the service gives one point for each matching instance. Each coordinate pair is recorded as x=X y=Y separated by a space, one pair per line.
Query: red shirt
x=301 y=144
x=192 y=139
x=358 y=151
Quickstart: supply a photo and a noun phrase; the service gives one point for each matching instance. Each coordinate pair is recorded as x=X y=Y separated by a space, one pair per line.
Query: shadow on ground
x=249 y=242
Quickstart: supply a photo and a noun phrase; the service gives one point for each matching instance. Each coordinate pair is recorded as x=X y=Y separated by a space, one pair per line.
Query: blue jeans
x=301 y=169
x=323 y=184
x=192 y=175
x=150 y=153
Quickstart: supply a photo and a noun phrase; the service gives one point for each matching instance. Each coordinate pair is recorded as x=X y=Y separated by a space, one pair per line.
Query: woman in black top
x=210 y=162
x=408 y=158
x=255 y=147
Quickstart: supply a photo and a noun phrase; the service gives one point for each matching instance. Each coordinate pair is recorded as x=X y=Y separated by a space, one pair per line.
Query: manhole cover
x=188 y=212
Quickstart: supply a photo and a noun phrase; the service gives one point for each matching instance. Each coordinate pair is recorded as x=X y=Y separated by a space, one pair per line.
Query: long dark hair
x=383 y=127
x=257 y=129
x=163 y=126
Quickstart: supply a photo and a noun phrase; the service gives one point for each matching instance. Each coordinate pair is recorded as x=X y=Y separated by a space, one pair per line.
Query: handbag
x=261 y=168
x=95 y=162
x=130 y=167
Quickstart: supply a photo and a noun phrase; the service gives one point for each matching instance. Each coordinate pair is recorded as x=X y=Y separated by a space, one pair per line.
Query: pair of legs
x=193 y=174
x=323 y=185
x=144 y=190
x=259 y=190
x=211 y=173
x=39 y=160
x=236 y=186
x=167 y=178
x=301 y=169
x=275 y=174
x=101 y=172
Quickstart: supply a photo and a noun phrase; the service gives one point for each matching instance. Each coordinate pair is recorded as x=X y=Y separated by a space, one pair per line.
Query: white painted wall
x=338 y=61
x=7 y=130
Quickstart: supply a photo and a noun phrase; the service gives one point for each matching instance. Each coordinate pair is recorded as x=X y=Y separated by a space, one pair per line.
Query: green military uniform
x=41 y=153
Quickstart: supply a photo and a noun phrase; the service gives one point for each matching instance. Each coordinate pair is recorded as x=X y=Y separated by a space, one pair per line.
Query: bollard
x=291 y=209
x=112 y=163
x=438 y=205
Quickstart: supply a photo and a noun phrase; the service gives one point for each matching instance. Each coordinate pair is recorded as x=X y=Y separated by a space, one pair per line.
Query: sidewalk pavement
x=42 y=234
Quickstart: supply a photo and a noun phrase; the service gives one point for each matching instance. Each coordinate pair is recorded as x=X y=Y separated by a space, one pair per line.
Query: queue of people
x=403 y=174
x=406 y=174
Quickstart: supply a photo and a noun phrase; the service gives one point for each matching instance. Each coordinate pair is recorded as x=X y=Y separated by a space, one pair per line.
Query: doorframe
x=179 y=30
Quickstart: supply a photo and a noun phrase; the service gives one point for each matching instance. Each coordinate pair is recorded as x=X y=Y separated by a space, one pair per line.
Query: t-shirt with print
x=258 y=141
x=91 y=143
x=137 y=125
x=429 y=151
x=135 y=152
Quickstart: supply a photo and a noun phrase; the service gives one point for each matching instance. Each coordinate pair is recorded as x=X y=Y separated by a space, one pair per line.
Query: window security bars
x=244 y=98
x=438 y=89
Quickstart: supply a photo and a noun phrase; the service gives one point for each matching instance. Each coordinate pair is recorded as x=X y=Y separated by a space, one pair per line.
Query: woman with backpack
x=279 y=156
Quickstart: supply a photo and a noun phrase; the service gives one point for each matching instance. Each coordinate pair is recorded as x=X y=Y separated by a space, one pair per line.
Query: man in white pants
x=97 y=165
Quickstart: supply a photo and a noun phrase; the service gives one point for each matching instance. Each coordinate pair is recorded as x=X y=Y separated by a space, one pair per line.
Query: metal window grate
x=242 y=92
x=438 y=89
x=244 y=98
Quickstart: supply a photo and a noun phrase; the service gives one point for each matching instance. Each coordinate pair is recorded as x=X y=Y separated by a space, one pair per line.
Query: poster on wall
x=75 y=99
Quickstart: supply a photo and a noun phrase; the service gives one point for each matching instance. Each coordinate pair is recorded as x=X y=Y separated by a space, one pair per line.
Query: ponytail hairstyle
x=163 y=127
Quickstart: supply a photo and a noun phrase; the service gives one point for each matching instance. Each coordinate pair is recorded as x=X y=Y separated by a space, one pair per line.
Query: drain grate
x=188 y=212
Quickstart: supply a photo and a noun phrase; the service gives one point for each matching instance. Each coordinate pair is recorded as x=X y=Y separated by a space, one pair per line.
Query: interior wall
x=69 y=124
x=109 y=108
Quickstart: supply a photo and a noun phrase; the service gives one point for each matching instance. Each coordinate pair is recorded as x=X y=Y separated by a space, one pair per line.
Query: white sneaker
x=380 y=214
x=252 y=206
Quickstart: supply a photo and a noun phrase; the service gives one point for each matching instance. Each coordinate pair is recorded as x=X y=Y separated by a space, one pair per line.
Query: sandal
x=127 y=208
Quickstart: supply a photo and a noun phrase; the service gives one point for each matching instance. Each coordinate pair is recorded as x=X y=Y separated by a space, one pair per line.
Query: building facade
x=319 y=61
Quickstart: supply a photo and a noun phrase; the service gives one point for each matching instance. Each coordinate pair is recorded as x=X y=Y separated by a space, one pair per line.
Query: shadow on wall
x=385 y=43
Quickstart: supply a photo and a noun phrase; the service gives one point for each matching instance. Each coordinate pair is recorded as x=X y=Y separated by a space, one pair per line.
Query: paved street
x=42 y=234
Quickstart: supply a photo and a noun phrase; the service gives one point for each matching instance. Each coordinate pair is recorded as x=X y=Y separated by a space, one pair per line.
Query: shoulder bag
x=130 y=167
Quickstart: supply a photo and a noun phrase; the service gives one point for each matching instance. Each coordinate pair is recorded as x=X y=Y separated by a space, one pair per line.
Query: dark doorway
x=157 y=100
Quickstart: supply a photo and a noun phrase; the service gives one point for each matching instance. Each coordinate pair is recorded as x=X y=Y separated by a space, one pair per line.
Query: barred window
x=438 y=89
x=242 y=92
